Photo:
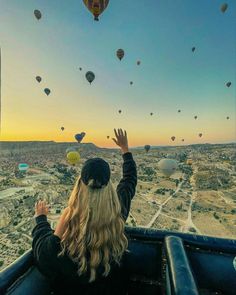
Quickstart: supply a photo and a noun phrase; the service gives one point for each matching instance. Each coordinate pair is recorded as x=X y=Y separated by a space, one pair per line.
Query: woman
x=85 y=254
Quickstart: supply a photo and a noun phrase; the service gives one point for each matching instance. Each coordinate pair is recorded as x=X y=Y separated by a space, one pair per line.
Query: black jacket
x=61 y=272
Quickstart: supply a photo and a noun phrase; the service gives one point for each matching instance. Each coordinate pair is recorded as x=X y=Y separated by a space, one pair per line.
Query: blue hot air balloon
x=80 y=136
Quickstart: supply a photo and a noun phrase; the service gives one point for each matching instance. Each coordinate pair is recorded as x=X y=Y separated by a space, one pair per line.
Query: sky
x=159 y=33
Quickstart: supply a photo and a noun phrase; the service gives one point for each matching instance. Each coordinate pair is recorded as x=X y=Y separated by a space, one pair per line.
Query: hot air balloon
x=47 y=91
x=23 y=167
x=62 y=128
x=38 y=78
x=227 y=118
x=120 y=53
x=90 y=76
x=151 y=114
x=195 y=117
x=147 y=147
x=179 y=111
x=96 y=7
x=73 y=157
x=72 y=149
x=224 y=7
x=131 y=82
x=182 y=139
x=228 y=84
x=173 y=138
x=193 y=49
x=80 y=136
x=37 y=14
x=108 y=136
x=119 y=111
x=138 y=62
x=80 y=69
x=167 y=167
x=200 y=134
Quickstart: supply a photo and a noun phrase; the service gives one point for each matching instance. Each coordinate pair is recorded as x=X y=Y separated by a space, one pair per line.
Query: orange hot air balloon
x=96 y=7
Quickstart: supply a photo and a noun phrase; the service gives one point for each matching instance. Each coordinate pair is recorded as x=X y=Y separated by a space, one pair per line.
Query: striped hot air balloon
x=96 y=7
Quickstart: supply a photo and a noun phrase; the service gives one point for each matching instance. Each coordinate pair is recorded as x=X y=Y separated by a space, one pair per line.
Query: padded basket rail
x=180 y=274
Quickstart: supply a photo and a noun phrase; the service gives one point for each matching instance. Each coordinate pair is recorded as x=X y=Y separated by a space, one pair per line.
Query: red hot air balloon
x=96 y=7
x=173 y=138
x=120 y=53
x=37 y=14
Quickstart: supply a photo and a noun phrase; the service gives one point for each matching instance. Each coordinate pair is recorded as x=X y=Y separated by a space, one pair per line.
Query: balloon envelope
x=39 y=79
x=172 y=138
x=147 y=147
x=72 y=149
x=195 y=117
x=138 y=62
x=62 y=128
x=47 y=91
x=200 y=134
x=90 y=76
x=228 y=84
x=37 y=14
x=167 y=167
x=119 y=111
x=23 y=167
x=120 y=53
x=224 y=7
x=96 y=7
x=193 y=49
x=79 y=136
x=73 y=157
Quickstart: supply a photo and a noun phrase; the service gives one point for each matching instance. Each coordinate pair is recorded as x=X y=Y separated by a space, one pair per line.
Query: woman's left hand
x=41 y=208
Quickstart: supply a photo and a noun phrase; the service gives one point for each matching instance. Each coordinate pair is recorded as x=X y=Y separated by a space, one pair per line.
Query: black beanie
x=96 y=169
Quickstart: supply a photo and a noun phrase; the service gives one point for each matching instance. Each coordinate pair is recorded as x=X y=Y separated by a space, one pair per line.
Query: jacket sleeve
x=44 y=247
x=126 y=187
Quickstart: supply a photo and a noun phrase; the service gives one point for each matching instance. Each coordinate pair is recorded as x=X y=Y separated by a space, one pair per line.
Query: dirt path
x=162 y=205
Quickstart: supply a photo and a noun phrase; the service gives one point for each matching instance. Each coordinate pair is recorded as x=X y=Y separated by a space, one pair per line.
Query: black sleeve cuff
x=127 y=156
x=40 y=218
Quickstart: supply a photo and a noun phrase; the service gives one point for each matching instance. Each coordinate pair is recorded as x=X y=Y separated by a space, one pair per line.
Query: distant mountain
x=44 y=146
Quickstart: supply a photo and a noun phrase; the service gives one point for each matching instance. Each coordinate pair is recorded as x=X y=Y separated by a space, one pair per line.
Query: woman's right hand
x=121 y=140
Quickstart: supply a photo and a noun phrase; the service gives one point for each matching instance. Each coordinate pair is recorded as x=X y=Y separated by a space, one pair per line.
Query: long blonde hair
x=95 y=228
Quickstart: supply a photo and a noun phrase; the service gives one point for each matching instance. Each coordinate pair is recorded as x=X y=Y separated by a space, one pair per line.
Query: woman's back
x=91 y=259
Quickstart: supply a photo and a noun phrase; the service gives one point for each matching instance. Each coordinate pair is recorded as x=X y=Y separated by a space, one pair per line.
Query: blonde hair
x=94 y=233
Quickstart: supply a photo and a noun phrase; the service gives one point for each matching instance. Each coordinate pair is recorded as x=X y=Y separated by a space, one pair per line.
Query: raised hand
x=121 y=140
x=41 y=208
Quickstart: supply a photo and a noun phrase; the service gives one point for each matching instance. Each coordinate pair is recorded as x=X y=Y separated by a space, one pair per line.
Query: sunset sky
x=159 y=33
